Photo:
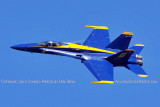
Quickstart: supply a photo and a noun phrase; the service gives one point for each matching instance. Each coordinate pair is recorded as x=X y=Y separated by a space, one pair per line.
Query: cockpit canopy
x=51 y=43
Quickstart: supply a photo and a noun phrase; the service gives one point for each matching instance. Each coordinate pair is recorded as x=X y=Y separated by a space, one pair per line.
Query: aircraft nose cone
x=19 y=47
x=24 y=47
x=13 y=47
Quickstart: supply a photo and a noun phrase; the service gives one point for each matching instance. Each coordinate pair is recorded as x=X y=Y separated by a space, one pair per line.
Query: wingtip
x=141 y=75
x=97 y=27
x=104 y=82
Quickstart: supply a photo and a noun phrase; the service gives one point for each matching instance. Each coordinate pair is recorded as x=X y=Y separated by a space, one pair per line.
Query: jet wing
x=101 y=69
x=99 y=38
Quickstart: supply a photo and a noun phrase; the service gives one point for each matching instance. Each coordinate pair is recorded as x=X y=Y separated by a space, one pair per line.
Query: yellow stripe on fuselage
x=77 y=46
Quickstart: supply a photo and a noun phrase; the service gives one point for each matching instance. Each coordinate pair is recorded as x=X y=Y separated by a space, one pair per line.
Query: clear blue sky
x=27 y=21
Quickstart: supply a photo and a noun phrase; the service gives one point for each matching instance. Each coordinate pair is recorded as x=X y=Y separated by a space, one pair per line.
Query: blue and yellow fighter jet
x=97 y=53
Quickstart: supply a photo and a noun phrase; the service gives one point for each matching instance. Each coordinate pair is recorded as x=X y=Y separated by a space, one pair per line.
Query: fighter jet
x=97 y=53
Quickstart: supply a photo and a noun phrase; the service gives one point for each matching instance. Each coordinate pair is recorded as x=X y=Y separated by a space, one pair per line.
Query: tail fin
x=138 y=48
x=137 y=69
x=122 y=42
x=121 y=57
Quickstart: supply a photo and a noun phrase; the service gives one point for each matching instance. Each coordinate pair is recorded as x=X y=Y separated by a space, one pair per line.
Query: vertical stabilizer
x=122 y=42
x=138 y=48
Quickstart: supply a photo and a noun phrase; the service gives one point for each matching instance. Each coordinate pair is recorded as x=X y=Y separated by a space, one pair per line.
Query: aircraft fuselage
x=71 y=50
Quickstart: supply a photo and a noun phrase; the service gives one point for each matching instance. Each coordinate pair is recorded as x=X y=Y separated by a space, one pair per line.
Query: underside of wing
x=101 y=69
x=99 y=38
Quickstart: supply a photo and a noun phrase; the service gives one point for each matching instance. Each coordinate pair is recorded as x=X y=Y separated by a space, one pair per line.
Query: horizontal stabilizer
x=137 y=69
x=138 y=48
x=122 y=42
